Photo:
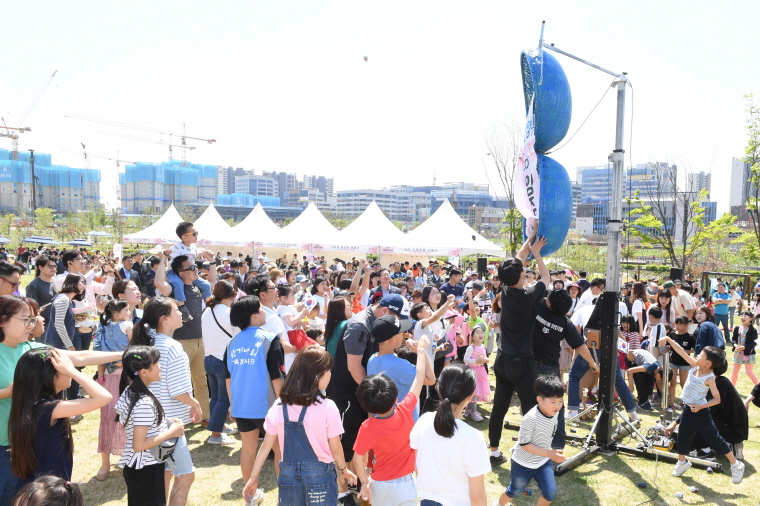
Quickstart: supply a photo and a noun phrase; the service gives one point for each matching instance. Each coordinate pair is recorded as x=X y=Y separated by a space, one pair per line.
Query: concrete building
x=321 y=183
x=259 y=186
x=698 y=181
x=739 y=187
x=485 y=219
x=225 y=178
x=576 y=188
x=58 y=187
x=153 y=187
x=462 y=196
x=286 y=182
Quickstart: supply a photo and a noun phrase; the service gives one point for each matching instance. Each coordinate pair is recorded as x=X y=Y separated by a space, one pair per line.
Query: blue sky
x=284 y=85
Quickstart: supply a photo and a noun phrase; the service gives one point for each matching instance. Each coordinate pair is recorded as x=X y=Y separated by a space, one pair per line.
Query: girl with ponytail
x=113 y=334
x=451 y=456
x=145 y=425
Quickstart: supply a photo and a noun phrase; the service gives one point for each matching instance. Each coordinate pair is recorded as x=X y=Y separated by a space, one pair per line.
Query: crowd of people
x=363 y=381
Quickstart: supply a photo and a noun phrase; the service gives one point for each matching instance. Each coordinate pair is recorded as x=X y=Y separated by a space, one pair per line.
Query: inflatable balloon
x=556 y=206
x=553 y=107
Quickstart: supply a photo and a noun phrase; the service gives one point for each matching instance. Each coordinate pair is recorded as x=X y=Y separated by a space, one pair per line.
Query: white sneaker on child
x=683 y=465
x=476 y=416
x=737 y=472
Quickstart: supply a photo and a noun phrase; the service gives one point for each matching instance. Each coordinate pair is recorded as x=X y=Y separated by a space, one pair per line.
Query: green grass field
x=601 y=480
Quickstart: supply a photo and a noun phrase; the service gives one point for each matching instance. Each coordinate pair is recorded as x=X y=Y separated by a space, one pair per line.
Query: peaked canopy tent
x=213 y=230
x=163 y=231
x=374 y=227
x=258 y=227
x=446 y=234
x=311 y=230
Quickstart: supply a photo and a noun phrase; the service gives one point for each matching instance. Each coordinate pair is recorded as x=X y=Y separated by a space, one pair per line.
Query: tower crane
x=182 y=136
x=183 y=147
x=12 y=133
x=118 y=161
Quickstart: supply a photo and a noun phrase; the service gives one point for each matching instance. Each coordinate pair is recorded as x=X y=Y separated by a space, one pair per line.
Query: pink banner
x=446 y=252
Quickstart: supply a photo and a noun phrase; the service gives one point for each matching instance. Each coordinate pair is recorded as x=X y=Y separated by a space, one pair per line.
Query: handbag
x=163 y=450
x=299 y=339
x=218 y=324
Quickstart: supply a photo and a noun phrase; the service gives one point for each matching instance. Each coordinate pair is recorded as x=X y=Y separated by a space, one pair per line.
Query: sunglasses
x=14 y=285
x=192 y=233
x=191 y=268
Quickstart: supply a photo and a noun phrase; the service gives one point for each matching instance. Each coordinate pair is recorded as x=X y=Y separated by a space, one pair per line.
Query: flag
x=527 y=185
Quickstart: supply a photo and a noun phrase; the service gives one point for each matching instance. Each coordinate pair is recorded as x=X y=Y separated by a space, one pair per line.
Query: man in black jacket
x=127 y=272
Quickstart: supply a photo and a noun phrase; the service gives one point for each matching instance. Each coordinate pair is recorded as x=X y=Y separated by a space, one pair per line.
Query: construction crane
x=182 y=136
x=12 y=133
x=118 y=161
x=171 y=154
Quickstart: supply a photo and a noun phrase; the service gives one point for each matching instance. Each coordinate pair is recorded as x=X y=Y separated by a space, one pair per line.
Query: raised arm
x=162 y=285
x=543 y=272
x=678 y=349
x=440 y=312
x=422 y=365
x=525 y=249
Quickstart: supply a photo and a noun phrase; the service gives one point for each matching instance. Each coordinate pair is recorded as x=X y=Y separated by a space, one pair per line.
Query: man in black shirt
x=189 y=334
x=41 y=288
x=514 y=367
x=552 y=326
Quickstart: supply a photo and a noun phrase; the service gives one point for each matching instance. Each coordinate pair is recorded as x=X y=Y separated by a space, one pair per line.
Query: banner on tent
x=446 y=252
x=242 y=244
x=372 y=250
x=280 y=245
x=154 y=240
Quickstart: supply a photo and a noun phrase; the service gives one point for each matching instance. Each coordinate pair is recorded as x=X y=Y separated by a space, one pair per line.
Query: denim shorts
x=398 y=492
x=180 y=462
x=544 y=476
x=681 y=367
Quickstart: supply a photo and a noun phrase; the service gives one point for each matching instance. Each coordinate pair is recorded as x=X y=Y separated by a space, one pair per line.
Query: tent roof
x=257 y=226
x=446 y=229
x=372 y=227
x=213 y=230
x=161 y=232
x=311 y=227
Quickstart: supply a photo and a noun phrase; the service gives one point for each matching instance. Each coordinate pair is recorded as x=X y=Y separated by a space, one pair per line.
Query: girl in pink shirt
x=308 y=428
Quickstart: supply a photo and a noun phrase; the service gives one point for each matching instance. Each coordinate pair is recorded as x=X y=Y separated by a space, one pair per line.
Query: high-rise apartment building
x=58 y=187
x=698 y=181
x=324 y=184
x=261 y=186
x=740 y=186
x=153 y=187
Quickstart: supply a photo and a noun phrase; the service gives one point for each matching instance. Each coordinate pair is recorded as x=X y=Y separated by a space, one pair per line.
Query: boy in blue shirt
x=388 y=333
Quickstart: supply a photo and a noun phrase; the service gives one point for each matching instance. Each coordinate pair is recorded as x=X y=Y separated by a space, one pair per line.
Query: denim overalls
x=304 y=480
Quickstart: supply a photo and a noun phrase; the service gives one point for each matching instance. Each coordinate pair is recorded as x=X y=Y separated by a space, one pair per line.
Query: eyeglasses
x=78 y=258
x=14 y=285
x=192 y=233
x=191 y=268
x=271 y=288
x=28 y=322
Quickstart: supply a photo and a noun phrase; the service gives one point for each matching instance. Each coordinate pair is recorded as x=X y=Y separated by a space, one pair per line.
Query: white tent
x=163 y=231
x=445 y=230
x=213 y=230
x=258 y=227
x=373 y=227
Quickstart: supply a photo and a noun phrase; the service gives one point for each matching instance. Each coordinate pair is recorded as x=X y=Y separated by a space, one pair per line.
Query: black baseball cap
x=388 y=326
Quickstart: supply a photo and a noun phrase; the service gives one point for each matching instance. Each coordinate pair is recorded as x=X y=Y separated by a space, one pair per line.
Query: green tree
x=43 y=219
x=752 y=158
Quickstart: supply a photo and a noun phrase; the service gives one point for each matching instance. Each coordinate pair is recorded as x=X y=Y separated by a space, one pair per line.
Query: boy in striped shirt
x=533 y=454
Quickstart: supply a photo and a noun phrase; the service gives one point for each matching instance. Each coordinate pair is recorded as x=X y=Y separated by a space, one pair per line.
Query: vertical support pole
x=610 y=297
x=33 y=181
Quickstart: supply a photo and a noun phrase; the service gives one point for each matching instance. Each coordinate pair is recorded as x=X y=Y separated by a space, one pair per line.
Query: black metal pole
x=608 y=365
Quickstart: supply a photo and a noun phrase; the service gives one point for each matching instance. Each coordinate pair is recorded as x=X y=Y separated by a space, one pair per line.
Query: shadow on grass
x=100 y=492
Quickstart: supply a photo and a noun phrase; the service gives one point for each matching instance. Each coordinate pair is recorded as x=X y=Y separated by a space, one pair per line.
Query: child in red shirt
x=386 y=433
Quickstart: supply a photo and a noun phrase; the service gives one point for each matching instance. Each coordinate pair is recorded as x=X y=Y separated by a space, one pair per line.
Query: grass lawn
x=601 y=480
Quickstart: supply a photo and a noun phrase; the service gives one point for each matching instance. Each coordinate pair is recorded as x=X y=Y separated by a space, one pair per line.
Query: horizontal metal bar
x=551 y=47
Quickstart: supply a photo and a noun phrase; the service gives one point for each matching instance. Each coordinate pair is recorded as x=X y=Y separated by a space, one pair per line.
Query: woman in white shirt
x=217 y=332
x=638 y=309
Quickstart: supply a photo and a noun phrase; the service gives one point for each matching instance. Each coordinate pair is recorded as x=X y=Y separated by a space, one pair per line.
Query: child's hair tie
x=137 y=372
x=138 y=357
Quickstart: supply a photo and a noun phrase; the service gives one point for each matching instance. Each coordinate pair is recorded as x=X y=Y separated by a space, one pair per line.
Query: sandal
x=103 y=474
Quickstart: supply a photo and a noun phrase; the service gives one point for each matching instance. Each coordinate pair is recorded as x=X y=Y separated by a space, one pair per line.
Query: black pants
x=431 y=398
x=352 y=416
x=644 y=382
x=513 y=375
x=700 y=423
x=145 y=487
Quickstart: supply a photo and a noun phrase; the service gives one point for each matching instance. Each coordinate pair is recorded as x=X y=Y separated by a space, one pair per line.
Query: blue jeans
x=80 y=342
x=581 y=367
x=179 y=286
x=723 y=318
x=399 y=492
x=8 y=480
x=217 y=384
x=558 y=442
x=428 y=502
x=521 y=476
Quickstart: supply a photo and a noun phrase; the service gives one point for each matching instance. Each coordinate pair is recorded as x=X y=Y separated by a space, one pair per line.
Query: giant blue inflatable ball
x=556 y=204
x=553 y=105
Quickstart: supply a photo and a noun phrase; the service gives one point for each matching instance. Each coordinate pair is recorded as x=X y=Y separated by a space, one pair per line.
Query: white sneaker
x=737 y=472
x=633 y=416
x=221 y=440
x=683 y=465
x=229 y=430
x=476 y=416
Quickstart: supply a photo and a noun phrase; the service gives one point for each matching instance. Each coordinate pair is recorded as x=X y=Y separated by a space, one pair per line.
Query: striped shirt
x=175 y=378
x=537 y=429
x=143 y=414
x=634 y=341
x=62 y=304
x=695 y=390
